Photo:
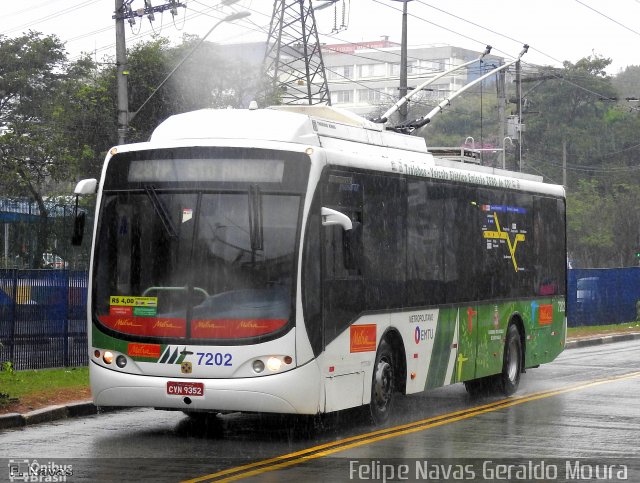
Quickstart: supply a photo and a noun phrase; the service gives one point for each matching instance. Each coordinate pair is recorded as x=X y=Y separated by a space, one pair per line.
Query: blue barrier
x=599 y=296
x=43 y=318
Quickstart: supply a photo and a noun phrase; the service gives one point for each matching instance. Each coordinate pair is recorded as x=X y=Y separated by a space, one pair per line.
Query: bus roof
x=294 y=124
x=336 y=130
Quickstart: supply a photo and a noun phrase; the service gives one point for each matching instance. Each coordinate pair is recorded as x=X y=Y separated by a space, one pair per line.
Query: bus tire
x=382 y=384
x=477 y=387
x=208 y=422
x=509 y=378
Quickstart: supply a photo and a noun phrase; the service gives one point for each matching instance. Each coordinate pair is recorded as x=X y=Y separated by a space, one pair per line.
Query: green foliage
x=602 y=223
x=7 y=367
x=627 y=83
x=18 y=384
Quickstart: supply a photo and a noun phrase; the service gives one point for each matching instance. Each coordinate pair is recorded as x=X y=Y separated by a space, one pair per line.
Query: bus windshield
x=206 y=257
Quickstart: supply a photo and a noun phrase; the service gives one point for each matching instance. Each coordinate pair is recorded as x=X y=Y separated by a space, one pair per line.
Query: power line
x=145 y=33
x=609 y=18
x=51 y=16
x=441 y=27
x=488 y=29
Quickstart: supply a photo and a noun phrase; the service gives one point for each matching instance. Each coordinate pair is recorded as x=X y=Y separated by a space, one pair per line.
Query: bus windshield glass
x=190 y=248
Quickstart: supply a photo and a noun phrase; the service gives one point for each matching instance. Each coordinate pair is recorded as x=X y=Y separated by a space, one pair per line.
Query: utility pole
x=502 y=105
x=123 y=11
x=121 y=73
x=403 y=63
x=519 y=124
x=564 y=163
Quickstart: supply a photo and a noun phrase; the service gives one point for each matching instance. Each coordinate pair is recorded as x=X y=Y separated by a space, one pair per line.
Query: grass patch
x=16 y=385
x=594 y=330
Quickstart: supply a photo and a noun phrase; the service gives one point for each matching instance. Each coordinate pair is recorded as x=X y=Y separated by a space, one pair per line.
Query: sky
x=556 y=30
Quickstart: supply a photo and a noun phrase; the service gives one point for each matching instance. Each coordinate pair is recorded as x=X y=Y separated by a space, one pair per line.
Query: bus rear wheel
x=508 y=380
x=382 y=385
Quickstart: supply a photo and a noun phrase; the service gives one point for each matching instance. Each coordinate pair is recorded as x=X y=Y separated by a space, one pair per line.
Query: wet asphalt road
x=584 y=405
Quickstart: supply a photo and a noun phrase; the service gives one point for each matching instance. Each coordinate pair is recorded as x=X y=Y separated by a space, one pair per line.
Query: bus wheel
x=477 y=387
x=382 y=386
x=509 y=379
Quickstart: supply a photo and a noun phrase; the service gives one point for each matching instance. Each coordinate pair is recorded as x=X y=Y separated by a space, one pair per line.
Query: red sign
x=234 y=328
x=546 y=314
x=152 y=326
x=362 y=338
x=352 y=47
x=120 y=311
x=144 y=350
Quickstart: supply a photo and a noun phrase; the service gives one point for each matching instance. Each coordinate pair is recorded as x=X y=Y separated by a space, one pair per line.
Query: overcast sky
x=556 y=30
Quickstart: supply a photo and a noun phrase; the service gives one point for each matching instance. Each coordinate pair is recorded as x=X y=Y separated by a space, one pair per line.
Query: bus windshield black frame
x=199 y=245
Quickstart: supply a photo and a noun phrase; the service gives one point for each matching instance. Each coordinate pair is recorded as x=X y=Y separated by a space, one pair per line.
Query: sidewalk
x=86 y=408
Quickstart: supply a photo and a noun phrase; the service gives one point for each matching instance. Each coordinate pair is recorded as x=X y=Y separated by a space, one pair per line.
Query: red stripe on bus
x=234 y=328
x=151 y=326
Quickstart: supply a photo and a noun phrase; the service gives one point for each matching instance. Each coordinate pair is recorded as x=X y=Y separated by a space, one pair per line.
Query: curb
x=53 y=413
x=87 y=408
x=606 y=339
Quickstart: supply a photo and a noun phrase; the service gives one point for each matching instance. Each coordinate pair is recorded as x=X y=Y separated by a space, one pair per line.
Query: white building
x=364 y=77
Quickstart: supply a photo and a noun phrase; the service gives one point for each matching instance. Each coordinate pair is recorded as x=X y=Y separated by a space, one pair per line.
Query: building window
x=372 y=70
x=369 y=96
x=341 y=97
x=434 y=65
x=339 y=72
x=412 y=68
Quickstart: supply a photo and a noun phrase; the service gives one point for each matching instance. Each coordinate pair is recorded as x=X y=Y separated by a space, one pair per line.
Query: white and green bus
x=301 y=259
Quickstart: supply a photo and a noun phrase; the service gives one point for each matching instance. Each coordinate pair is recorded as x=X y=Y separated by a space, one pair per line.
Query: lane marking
x=326 y=449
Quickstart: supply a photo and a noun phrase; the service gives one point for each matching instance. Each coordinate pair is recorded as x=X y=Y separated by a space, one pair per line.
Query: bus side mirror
x=78 y=228
x=352 y=247
x=333 y=217
x=351 y=236
x=84 y=187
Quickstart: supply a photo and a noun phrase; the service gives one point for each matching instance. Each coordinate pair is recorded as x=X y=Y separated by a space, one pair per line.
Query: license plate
x=179 y=388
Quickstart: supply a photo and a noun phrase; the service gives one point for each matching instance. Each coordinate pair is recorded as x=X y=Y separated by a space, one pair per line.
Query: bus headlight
x=121 y=361
x=274 y=364
x=107 y=357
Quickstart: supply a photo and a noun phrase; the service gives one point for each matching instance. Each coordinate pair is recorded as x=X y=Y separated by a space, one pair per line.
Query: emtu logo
x=423 y=334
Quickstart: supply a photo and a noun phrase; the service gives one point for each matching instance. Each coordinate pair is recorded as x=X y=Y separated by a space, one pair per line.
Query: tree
x=570 y=109
x=33 y=151
x=208 y=79
x=627 y=82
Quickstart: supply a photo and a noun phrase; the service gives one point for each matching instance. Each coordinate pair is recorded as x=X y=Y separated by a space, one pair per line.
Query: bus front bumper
x=297 y=391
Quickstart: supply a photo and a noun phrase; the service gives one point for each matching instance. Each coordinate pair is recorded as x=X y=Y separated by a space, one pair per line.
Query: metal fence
x=43 y=312
x=43 y=318
x=603 y=296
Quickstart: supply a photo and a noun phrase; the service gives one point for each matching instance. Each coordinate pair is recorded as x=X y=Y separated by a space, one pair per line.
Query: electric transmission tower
x=293 y=65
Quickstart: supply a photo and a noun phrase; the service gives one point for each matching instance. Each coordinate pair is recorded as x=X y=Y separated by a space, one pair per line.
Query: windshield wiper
x=255 y=218
x=161 y=211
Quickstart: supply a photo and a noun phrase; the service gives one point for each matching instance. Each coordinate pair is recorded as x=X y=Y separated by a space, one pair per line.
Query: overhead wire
x=50 y=16
x=607 y=17
x=143 y=34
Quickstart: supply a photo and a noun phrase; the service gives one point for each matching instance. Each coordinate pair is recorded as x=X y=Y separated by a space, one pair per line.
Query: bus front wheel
x=382 y=386
x=509 y=378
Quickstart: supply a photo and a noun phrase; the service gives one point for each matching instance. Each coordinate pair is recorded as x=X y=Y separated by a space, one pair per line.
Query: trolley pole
x=403 y=64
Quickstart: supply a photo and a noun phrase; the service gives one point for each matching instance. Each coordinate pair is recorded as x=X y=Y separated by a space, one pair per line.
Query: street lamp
x=228 y=18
